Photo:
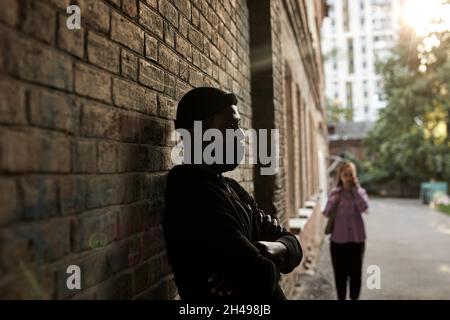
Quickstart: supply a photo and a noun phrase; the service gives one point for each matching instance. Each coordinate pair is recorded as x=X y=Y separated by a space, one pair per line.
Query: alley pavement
x=408 y=241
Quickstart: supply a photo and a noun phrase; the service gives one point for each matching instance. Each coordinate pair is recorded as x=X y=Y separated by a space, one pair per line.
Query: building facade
x=355 y=35
x=348 y=138
x=86 y=118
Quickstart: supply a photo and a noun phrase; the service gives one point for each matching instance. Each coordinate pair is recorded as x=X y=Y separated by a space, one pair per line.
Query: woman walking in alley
x=344 y=209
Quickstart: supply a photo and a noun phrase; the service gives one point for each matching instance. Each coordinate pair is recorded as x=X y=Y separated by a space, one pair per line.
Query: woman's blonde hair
x=344 y=164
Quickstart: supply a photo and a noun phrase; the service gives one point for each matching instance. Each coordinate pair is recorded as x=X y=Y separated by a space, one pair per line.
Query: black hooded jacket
x=210 y=224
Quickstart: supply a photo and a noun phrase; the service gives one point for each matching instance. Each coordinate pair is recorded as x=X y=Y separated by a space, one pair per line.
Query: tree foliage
x=410 y=141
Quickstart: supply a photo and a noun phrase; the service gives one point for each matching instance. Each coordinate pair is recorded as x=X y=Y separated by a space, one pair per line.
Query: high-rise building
x=354 y=35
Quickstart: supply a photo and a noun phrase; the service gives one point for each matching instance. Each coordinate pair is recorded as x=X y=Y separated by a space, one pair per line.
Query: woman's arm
x=361 y=198
x=333 y=201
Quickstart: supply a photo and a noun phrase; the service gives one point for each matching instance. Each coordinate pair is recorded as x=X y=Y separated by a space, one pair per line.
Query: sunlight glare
x=427 y=16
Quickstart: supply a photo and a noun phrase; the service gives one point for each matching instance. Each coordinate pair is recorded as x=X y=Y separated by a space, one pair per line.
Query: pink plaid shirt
x=348 y=222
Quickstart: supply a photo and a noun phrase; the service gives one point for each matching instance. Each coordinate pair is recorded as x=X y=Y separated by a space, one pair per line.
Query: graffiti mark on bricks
x=98 y=240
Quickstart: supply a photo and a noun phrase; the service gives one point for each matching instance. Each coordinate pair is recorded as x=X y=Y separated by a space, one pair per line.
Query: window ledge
x=296 y=225
x=305 y=213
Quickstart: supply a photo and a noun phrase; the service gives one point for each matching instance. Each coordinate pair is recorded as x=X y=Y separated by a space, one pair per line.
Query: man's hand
x=268 y=222
x=218 y=285
x=275 y=251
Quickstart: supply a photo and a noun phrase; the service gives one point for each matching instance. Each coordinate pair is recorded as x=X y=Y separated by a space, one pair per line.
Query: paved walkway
x=411 y=245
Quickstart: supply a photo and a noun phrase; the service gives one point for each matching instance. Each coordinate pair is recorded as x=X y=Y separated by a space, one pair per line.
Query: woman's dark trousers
x=347 y=260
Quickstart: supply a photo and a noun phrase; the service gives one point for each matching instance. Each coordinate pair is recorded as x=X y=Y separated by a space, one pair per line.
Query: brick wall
x=86 y=118
x=85 y=122
x=284 y=88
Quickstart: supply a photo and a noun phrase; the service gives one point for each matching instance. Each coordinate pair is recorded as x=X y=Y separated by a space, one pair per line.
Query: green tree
x=337 y=113
x=410 y=142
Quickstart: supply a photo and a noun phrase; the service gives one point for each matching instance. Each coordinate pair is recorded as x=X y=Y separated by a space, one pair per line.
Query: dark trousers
x=347 y=260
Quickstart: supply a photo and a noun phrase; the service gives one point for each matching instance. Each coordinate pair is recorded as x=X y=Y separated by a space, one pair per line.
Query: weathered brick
x=99 y=120
x=106 y=157
x=167 y=108
x=118 y=287
x=9 y=197
x=184 y=71
x=141 y=278
x=115 y=2
x=151 y=47
x=155 y=185
x=71 y=41
x=155 y=131
x=183 y=26
x=127 y=157
x=84 y=156
x=195 y=17
x=39 y=196
x=123 y=287
x=206 y=65
x=196 y=57
x=33 y=151
x=130 y=7
x=103 y=53
x=195 y=77
x=51 y=110
x=152 y=3
x=151 y=76
x=206 y=46
x=72 y=194
x=95 y=229
x=169 y=12
x=18 y=286
x=184 y=7
x=123 y=254
x=39 y=20
x=205 y=27
x=128 y=95
x=54 y=68
x=12 y=103
x=166 y=269
x=181 y=89
x=92 y=82
x=102 y=191
x=154 y=267
x=150 y=20
x=60 y=4
x=150 y=158
x=169 y=84
x=128 y=188
x=183 y=47
x=129 y=65
x=127 y=33
x=96 y=13
x=36 y=243
x=10 y=12
x=169 y=287
x=152 y=241
x=168 y=59
x=129 y=127
x=130 y=221
x=169 y=34
x=215 y=72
